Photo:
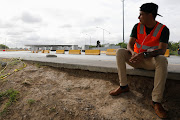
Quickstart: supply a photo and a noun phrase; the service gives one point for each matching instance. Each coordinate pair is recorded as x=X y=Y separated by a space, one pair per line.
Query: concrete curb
x=172 y=75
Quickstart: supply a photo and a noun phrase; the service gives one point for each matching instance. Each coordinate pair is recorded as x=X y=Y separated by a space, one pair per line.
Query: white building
x=53 y=47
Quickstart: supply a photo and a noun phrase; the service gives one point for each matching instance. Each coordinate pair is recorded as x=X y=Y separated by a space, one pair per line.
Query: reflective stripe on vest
x=146 y=47
x=149 y=47
x=154 y=34
x=138 y=45
x=157 y=29
x=141 y=29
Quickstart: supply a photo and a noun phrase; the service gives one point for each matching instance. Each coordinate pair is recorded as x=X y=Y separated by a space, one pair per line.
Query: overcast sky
x=75 y=21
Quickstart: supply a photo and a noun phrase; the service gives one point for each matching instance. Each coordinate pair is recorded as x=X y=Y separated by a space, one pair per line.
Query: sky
x=79 y=22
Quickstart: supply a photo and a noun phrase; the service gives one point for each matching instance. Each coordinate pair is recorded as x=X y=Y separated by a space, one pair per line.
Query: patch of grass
x=14 y=62
x=26 y=82
x=31 y=101
x=173 y=53
x=11 y=95
x=52 y=109
x=38 y=65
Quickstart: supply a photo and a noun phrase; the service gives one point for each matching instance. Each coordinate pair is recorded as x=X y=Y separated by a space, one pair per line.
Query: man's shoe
x=159 y=110
x=118 y=91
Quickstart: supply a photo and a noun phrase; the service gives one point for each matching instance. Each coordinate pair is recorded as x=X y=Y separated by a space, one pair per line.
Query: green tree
x=173 y=46
x=123 y=45
x=3 y=46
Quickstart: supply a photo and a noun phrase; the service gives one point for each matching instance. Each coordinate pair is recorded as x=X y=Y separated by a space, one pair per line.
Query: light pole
x=90 y=38
x=123 y=19
x=103 y=32
x=5 y=44
x=82 y=36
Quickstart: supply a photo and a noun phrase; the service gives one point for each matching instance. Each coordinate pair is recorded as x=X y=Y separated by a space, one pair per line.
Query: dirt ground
x=47 y=93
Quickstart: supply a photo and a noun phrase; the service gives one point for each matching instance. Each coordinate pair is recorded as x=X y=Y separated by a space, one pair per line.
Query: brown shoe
x=118 y=91
x=159 y=110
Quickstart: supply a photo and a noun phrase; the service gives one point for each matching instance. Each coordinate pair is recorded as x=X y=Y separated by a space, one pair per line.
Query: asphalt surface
x=98 y=63
x=27 y=54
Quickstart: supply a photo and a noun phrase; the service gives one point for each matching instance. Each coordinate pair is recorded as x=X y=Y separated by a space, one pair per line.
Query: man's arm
x=130 y=45
x=161 y=50
x=140 y=56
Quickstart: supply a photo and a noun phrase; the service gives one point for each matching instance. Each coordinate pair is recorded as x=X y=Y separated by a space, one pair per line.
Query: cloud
x=33 y=37
x=28 y=30
x=13 y=33
x=99 y=20
x=95 y=21
x=6 y=25
x=64 y=23
x=29 y=18
x=66 y=26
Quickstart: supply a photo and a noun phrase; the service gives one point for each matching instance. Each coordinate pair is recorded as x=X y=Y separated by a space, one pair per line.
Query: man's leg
x=161 y=64
x=122 y=57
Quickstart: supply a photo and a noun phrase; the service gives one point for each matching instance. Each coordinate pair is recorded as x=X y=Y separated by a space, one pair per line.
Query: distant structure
x=53 y=47
x=106 y=46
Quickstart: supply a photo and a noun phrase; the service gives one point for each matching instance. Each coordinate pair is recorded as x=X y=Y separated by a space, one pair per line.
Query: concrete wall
x=105 y=48
x=74 y=47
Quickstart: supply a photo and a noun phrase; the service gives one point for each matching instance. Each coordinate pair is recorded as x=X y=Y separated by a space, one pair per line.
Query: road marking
x=174 y=64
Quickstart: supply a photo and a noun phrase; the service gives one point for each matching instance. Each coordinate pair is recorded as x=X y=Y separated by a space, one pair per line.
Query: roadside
x=63 y=94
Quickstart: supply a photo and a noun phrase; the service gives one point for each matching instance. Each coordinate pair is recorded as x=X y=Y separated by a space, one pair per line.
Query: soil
x=65 y=94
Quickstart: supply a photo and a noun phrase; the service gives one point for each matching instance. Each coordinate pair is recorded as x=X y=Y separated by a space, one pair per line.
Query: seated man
x=146 y=48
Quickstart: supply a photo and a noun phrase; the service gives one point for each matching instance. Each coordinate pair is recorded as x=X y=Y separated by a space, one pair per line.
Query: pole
x=103 y=32
x=123 y=20
x=90 y=40
x=89 y=37
x=103 y=36
x=5 y=44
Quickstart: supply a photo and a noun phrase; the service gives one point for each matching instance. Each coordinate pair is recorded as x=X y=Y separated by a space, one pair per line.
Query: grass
x=38 y=65
x=31 y=101
x=173 y=53
x=11 y=95
x=52 y=109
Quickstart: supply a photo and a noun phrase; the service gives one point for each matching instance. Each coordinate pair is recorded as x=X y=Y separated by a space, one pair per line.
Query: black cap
x=150 y=8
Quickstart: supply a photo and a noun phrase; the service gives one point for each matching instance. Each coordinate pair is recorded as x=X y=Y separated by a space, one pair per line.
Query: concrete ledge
x=105 y=66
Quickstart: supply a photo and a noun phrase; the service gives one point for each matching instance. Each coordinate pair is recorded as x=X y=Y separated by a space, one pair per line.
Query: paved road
x=98 y=63
x=102 y=57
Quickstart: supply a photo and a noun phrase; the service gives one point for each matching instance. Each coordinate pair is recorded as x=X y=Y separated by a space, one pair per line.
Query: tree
x=173 y=46
x=123 y=45
x=3 y=46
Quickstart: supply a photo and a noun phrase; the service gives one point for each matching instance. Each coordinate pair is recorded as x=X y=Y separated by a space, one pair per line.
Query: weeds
x=31 y=101
x=11 y=95
x=38 y=65
x=52 y=109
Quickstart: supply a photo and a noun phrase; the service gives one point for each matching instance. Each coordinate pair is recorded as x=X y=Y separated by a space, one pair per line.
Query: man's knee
x=121 y=51
x=161 y=59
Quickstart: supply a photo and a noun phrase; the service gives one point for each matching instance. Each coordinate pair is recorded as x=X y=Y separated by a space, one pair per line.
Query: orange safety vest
x=144 y=41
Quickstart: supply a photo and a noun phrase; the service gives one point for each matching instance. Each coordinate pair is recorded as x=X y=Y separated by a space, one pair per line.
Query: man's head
x=148 y=12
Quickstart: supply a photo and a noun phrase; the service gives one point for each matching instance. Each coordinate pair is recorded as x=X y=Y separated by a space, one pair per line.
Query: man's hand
x=136 y=58
x=133 y=54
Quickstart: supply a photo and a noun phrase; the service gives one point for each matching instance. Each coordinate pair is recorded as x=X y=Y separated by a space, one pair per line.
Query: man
x=146 y=48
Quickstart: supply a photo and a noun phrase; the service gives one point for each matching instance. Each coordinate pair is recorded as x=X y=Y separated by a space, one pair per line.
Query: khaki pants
x=158 y=63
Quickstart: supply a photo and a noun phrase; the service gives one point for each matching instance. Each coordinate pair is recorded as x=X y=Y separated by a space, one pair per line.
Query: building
x=52 y=47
